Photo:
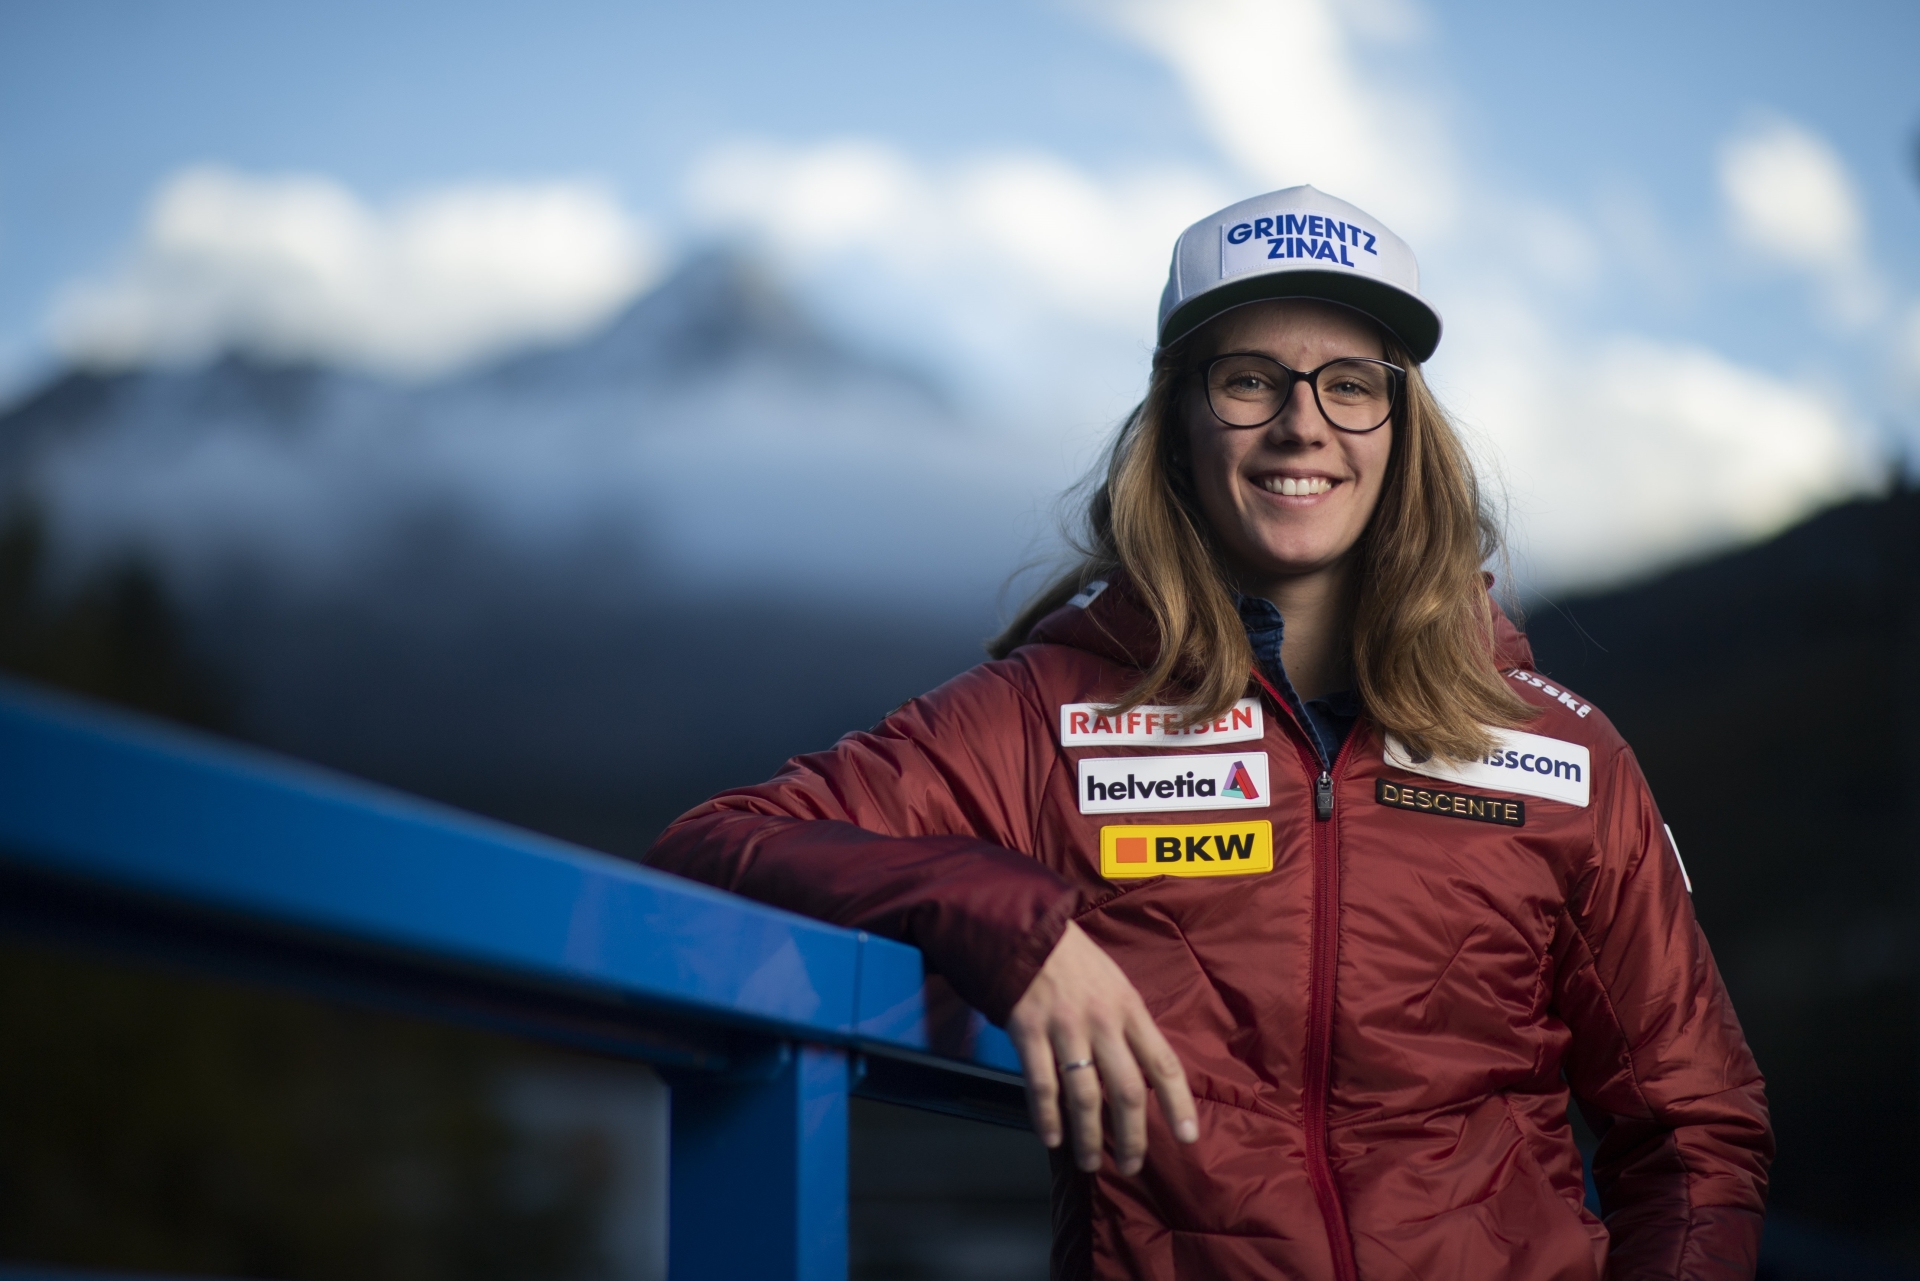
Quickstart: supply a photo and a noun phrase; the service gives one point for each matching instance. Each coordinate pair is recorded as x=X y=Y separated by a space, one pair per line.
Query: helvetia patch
x=1207 y=781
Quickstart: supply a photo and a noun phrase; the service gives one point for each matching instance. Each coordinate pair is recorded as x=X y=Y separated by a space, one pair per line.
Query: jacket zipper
x=1325 y=940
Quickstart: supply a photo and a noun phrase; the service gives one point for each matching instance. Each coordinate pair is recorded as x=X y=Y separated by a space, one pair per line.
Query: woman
x=1267 y=846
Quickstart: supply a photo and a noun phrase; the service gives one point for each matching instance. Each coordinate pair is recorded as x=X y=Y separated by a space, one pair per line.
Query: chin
x=1297 y=555
x=1291 y=562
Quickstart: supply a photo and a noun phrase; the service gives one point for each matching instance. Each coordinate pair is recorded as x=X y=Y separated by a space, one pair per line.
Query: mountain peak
x=717 y=305
x=717 y=312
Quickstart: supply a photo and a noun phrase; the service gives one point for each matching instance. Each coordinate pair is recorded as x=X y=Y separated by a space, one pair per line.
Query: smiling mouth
x=1295 y=487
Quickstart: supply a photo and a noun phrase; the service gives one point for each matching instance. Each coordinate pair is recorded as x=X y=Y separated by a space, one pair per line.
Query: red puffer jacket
x=1380 y=1002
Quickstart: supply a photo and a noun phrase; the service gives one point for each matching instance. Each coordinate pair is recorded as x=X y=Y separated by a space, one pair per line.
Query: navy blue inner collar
x=1329 y=718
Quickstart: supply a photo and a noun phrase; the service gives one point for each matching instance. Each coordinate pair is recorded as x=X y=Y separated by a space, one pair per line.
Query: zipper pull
x=1323 y=796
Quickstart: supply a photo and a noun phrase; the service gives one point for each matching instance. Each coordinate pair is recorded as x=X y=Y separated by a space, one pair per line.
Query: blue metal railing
x=129 y=835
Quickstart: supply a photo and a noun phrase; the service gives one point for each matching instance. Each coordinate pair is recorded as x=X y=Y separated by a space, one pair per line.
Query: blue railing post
x=758 y=1189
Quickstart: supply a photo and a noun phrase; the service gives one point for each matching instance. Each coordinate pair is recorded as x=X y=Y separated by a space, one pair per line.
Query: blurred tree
x=161 y=1124
x=112 y=635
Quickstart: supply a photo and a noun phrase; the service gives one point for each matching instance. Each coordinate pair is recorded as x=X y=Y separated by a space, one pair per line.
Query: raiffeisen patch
x=1085 y=725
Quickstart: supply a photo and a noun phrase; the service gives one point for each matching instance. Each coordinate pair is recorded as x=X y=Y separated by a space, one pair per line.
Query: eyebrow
x=1204 y=361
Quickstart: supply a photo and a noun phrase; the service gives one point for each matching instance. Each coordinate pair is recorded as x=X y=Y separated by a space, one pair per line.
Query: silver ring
x=1075 y=1066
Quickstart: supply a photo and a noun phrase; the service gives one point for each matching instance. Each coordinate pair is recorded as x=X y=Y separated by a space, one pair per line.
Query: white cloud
x=1790 y=198
x=812 y=200
x=1096 y=248
x=1279 y=87
x=1730 y=451
x=1034 y=279
x=1790 y=195
x=1093 y=247
x=1627 y=453
x=1387 y=21
x=299 y=267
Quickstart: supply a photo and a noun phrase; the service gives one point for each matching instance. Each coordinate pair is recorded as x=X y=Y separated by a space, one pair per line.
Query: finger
x=1080 y=1088
x=1165 y=1074
x=1043 y=1087
x=1126 y=1092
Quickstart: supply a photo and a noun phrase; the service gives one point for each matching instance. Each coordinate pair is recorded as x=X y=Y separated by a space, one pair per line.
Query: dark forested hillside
x=1772 y=696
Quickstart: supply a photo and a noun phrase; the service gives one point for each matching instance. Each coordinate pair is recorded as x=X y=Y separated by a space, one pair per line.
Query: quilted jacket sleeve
x=909 y=831
x=1658 y=1061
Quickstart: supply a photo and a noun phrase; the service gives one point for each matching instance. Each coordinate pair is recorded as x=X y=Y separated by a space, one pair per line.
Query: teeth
x=1288 y=485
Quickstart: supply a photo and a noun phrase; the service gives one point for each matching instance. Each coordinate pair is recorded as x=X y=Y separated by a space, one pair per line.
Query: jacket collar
x=1116 y=626
x=1511 y=648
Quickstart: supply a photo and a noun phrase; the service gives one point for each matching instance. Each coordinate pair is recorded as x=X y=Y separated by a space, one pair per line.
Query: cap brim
x=1413 y=322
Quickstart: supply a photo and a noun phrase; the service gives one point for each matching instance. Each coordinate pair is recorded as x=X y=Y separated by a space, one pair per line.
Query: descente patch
x=1529 y=763
x=1083 y=725
x=1504 y=810
x=1213 y=781
x=1187 y=849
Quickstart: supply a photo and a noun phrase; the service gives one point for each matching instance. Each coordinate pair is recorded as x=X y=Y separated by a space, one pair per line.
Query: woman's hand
x=1079 y=1007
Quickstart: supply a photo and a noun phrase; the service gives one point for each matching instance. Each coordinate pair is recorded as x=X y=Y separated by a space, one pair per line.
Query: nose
x=1299 y=421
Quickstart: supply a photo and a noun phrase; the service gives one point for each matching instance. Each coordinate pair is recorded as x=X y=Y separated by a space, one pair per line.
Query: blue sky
x=1664 y=236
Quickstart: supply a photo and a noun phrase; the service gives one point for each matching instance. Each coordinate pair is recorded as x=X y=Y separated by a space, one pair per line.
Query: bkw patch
x=1132 y=851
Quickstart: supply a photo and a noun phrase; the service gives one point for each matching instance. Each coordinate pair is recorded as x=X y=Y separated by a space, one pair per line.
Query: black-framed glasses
x=1355 y=393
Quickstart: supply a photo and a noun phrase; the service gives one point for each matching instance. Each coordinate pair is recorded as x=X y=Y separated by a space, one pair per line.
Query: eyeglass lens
x=1249 y=390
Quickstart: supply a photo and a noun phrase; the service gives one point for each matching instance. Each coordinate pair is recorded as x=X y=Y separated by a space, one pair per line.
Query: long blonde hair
x=1422 y=622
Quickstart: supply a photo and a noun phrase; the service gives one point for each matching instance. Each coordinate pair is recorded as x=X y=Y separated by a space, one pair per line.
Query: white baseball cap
x=1297 y=243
